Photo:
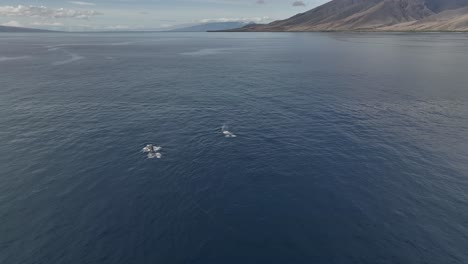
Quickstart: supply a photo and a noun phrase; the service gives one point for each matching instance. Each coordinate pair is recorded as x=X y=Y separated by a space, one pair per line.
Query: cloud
x=45 y=12
x=298 y=3
x=12 y=23
x=15 y=23
x=82 y=3
x=244 y=19
x=260 y=2
x=46 y=24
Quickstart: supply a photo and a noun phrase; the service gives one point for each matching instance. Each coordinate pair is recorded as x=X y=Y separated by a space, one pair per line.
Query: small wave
x=14 y=58
x=56 y=47
x=119 y=43
x=73 y=57
x=65 y=45
x=206 y=52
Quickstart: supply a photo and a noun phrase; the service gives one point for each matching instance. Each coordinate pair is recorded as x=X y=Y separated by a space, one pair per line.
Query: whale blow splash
x=226 y=132
x=152 y=151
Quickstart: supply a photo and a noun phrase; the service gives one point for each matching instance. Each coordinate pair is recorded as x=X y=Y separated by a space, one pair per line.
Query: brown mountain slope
x=449 y=20
x=345 y=15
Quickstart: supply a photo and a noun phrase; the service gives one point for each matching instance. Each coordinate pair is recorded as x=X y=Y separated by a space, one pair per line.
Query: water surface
x=350 y=148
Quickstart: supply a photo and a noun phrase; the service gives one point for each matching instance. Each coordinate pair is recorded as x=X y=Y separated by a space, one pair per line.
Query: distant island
x=203 y=27
x=374 y=15
x=21 y=29
x=212 y=26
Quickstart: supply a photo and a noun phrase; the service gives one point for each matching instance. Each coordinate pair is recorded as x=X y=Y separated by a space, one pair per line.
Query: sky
x=95 y=15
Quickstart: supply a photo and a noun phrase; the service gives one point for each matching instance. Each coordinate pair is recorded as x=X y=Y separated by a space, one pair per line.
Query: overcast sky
x=143 y=14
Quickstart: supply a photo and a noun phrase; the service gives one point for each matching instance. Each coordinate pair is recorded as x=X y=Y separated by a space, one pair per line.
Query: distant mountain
x=20 y=29
x=449 y=20
x=214 y=26
x=376 y=15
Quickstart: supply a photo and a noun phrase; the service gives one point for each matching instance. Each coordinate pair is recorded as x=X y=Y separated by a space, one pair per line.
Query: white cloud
x=298 y=3
x=15 y=23
x=46 y=24
x=243 y=19
x=12 y=23
x=82 y=3
x=45 y=12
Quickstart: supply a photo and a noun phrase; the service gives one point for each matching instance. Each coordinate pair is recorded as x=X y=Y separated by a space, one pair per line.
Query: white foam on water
x=226 y=132
x=202 y=52
x=2 y=58
x=73 y=57
x=206 y=52
x=156 y=155
x=58 y=46
x=64 y=45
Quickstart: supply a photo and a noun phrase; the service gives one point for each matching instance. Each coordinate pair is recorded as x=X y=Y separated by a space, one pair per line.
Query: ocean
x=349 y=148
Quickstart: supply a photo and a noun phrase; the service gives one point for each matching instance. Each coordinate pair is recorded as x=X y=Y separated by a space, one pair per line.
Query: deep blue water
x=351 y=148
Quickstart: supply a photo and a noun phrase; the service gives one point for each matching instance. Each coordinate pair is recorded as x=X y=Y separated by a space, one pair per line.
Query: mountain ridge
x=375 y=15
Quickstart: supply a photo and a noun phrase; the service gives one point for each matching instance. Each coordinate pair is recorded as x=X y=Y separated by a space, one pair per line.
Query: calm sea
x=350 y=148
